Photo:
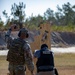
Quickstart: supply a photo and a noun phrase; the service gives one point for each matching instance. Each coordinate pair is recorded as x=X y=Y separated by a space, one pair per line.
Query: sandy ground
x=64 y=61
x=54 y=49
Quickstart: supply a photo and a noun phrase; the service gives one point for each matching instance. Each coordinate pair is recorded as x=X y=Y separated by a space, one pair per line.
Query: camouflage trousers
x=16 y=69
x=46 y=73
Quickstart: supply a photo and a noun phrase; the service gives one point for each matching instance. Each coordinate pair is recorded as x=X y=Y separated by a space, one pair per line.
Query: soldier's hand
x=32 y=73
x=13 y=27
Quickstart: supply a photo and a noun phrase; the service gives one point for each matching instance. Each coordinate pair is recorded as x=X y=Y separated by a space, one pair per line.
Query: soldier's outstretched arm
x=7 y=35
x=8 y=39
x=29 y=58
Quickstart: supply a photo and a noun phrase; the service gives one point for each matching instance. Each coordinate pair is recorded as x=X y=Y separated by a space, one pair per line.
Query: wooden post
x=43 y=38
x=45 y=35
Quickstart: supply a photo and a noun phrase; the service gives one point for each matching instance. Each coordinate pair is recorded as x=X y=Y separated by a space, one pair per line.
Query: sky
x=33 y=6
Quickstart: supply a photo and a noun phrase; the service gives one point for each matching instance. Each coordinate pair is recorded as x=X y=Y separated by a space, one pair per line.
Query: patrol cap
x=23 y=30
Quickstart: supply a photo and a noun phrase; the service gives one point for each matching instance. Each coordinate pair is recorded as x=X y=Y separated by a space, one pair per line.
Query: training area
x=64 y=62
x=33 y=27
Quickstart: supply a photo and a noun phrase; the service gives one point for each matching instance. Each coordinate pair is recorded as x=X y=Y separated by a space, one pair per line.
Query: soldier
x=45 y=61
x=19 y=54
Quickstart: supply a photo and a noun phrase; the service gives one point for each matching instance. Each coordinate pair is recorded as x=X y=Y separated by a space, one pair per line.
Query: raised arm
x=8 y=38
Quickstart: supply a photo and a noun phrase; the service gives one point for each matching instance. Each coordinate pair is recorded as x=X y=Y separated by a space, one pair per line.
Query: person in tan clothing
x=45 y=61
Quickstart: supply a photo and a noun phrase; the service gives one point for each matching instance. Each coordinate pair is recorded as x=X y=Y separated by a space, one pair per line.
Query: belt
x=16 y=63
x=45 y=68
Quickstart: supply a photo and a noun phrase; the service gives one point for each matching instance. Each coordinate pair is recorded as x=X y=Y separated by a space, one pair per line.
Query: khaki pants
x=46 y=73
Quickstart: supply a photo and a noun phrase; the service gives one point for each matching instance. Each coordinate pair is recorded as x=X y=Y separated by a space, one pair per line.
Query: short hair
x=44 y=45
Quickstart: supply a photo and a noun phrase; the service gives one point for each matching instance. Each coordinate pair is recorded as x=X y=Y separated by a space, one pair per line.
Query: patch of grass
x=64 y=62
x=66 y=59
x=3 y=62
x=3 y=65
x=67 y=28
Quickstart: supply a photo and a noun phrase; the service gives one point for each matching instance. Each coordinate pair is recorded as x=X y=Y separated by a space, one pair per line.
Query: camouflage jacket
x=27 y=51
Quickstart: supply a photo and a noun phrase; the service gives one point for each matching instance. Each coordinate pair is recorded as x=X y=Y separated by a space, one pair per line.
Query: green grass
x=67 y=28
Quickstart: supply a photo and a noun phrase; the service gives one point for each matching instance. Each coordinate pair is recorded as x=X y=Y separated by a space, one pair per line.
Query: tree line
x=64 y=16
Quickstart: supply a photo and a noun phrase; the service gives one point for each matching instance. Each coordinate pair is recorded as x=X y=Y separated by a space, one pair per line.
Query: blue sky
x=33 y=6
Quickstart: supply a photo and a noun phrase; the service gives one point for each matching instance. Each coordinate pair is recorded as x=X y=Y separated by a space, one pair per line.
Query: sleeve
x=8 y=39
x=28 y=57
x=37 y=54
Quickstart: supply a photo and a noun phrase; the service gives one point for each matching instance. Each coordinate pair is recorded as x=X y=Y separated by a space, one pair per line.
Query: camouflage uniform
x=19 y=69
